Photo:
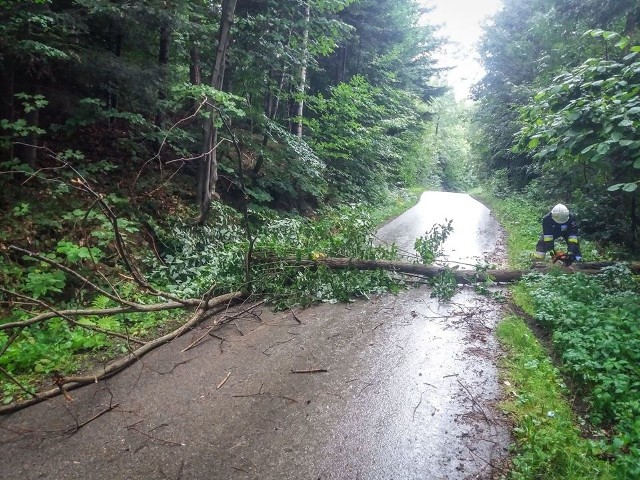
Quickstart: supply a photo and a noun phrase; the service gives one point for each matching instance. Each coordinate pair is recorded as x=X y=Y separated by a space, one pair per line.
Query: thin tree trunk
x=632 y=21
x=272 y=104
x=303 y=69
x=208 y=167
x=341 y=65
x=30 y=150
x=194 y=65
x=7 y=108
x=163 y=64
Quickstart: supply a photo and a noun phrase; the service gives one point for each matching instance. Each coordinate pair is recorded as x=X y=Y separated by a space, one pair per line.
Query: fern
x=101 y=302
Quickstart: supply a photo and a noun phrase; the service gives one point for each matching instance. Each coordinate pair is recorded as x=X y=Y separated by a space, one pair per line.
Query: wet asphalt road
x=401 y=388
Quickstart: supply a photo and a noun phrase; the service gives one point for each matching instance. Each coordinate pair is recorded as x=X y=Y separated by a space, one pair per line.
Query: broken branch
x=311 y=370
x=116 y=366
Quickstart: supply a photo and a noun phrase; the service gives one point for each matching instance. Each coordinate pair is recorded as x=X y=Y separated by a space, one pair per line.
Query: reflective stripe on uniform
x=573 y=239
x=548 y=238
x=539 y=254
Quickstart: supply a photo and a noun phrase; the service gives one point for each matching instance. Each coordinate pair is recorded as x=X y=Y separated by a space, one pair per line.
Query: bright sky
x=460 y=20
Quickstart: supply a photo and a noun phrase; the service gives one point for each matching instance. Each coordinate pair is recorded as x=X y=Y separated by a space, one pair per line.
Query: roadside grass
x=397 y=203
x=549 y=443
x=521 y=220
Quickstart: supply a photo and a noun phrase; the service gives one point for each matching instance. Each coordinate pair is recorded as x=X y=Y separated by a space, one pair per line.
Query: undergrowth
x=189 y=262
x=549 y=444
x=592 y=323
x=594 y=320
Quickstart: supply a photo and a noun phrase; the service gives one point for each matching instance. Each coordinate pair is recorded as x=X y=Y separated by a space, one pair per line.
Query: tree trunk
x=163 y=64
x=194 y=65
x=7 y=109
x=461 y=276
x=341 y=65
x=30 y=149
x=115 y=47
x=631 y=24
x=303 y=70
x=208 y=167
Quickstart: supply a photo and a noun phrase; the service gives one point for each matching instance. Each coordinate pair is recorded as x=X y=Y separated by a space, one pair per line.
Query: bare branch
x=111 y=369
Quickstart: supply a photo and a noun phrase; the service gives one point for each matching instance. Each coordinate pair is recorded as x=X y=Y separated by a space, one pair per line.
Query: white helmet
x=560 y=213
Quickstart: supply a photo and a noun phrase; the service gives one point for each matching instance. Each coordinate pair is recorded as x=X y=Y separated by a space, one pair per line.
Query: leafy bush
x=594 y=320
x=429 y=246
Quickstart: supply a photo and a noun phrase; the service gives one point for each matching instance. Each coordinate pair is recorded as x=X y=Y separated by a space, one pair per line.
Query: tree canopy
x=296 y=98
x=558 y=108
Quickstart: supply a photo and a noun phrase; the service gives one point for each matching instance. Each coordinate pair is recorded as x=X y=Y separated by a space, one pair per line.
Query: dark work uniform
x=552 y=230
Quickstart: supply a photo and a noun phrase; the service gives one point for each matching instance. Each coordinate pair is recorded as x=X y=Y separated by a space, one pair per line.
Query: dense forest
x=164 y=156
x=559 y=109
x=290 y=104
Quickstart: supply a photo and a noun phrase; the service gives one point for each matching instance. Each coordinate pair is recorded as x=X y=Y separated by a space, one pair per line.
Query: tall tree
x=208 y=165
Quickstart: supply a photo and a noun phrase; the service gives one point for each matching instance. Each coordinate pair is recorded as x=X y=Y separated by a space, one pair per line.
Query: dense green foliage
x=596 y=333
x=129 y=82
x=557 y=109
x=196 y=260
x=549 y=444
x=592 y=322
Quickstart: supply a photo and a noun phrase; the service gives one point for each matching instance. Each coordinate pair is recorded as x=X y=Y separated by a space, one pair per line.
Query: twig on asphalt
x=195 y=342
x=238 y=328
x=250 y=394
x=416 y=407
x=153 y=437
x=475 y=402
x=261 y=393
x=223 y=381
x=228 y=318
x=97 y=415
x=276 y=344
x=172 y=368
x=295 y=317
x=312 y=370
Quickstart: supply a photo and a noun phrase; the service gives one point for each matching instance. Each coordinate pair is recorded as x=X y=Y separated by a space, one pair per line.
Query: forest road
x=398 y=387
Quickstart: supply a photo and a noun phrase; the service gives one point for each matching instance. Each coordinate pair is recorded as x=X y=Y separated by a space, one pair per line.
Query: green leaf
x=636 y=164
x=625 y=143
x=603 y=148
x=626 y=123
x=588 y=149
x=616 y=187
x=630 y=187
x=622 y=43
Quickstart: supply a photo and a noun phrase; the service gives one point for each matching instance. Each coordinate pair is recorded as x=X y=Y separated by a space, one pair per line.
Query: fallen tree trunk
x=461 y=276
x=65 y=384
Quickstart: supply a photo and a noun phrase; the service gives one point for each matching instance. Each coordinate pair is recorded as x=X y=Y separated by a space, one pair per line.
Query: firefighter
x=559 y=222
